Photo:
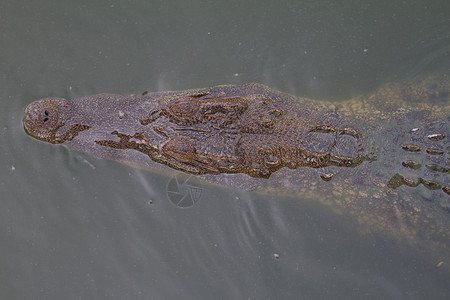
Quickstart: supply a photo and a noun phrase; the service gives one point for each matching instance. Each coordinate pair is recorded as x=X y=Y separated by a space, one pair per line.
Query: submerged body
x=378 y=158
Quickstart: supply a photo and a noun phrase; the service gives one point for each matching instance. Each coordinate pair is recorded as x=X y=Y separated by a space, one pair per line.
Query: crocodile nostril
x=46 y=117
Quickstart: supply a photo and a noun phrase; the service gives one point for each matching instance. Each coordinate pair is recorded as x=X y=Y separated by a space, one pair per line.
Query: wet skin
x=227 y=129
x=377 y=146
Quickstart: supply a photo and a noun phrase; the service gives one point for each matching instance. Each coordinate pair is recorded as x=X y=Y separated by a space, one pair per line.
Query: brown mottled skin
x=226 y=129
x=370 y=151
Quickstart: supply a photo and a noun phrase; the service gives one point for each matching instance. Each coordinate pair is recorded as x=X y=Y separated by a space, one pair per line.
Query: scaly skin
x=227 y=129
x=370 y=151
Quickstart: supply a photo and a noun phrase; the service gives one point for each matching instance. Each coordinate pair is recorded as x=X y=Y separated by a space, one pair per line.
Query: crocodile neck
x=407 y=144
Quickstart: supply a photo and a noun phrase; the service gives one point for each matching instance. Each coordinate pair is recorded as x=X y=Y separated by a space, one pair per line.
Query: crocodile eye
x=184 y=107
x=272 y=160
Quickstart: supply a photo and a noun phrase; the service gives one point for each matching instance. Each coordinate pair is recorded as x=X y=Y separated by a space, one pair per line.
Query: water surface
x=75 y=227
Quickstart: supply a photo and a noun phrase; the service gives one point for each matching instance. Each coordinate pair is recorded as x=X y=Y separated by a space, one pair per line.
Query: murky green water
x=75 y=227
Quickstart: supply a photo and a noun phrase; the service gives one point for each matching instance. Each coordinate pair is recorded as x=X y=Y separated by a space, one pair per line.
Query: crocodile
x=382 y=158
